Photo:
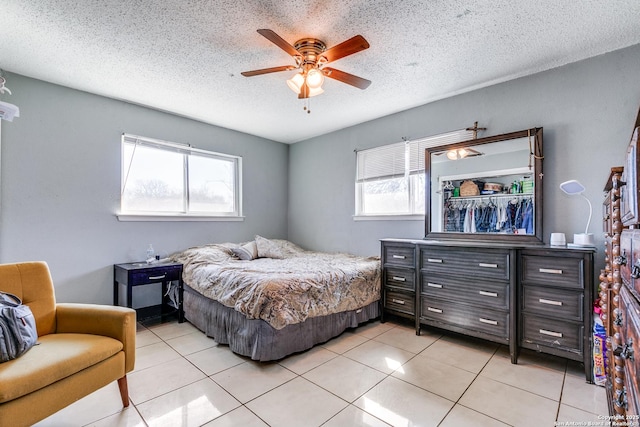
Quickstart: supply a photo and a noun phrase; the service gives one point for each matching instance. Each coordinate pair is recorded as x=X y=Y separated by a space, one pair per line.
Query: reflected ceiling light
x=457 y=154
x=461 y=153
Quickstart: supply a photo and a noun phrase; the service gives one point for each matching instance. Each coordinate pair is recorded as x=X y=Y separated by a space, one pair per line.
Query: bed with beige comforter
x=279 y=299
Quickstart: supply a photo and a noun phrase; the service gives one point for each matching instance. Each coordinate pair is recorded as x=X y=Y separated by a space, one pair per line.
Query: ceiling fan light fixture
x=315 y=78
x=315 y=91
x=296 y=82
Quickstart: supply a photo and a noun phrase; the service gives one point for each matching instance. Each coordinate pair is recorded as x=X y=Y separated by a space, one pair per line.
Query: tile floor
x=374 y=375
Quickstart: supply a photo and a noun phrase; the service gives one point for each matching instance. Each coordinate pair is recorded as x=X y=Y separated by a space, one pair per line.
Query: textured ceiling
x=185 y=56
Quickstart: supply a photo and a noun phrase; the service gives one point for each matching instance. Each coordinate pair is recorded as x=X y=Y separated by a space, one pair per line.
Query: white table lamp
x=573 y=187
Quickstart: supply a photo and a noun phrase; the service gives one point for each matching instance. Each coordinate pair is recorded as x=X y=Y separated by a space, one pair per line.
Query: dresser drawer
x=485 y=293
x=630 y=336
x=632 y=267
x=476 y=263
x=472 y=318
x=396 y=254
x=556 y=271
x=553 y=333
x=399 y=301
x=549 y=302
x=399 y=278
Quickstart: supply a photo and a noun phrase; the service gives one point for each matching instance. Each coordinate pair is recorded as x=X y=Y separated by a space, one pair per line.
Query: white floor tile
x=154 y=354
x=160 y=379
x=251 y=379
x=380 y=356
x=307 y=360
x=191 y=343
x=345 y=378
x=401 y=404
x=215 y=359
x=508 y=404
x=297 y=403
x=406 y=339
x=468 y=354
x=444 y=380
x=461 y=416
x=236 y=418
x=191 y=405
x=527 y=376
x=354 y=417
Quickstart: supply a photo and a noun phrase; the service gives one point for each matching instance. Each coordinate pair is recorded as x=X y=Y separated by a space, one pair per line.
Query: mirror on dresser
x=486 y=189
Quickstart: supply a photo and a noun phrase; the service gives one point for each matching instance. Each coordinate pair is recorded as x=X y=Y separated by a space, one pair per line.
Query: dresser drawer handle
x=488 y=322
x=399 y=257
x=157 y=277
x=485 y=265
x=488 y=294
x=550 y=302
x=434 y=285
x=550 y=271
x=398 y=301
x=435 y=310
x=434 y=260
x=551 y=333
x=399 y=279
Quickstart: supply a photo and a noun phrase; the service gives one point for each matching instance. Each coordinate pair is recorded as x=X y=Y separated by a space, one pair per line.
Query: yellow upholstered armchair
x=81 y=348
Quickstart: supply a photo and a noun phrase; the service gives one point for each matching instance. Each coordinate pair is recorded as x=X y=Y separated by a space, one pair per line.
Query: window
x=167 y=179
x=390 y=179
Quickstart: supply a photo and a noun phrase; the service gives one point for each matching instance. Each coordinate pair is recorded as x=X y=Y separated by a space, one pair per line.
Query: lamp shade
x=315 y=78
x=572 y=187
x=295 y=82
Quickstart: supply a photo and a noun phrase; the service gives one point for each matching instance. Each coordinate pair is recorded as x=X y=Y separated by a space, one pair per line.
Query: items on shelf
x=490 y=214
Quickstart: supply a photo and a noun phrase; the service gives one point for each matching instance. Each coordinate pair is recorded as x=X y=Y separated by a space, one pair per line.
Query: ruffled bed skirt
x=258 y=340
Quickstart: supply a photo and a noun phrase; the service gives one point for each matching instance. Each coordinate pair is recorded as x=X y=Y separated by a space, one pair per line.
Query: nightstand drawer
x=399 y=278
x=399 y=255
x=551 y=302
x=557 y=271
x=553 y=333
x=152 y=275
x=399 y=301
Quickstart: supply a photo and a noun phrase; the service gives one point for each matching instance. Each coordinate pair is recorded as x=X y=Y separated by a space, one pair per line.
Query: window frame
x=414 y=165
x=186 y=214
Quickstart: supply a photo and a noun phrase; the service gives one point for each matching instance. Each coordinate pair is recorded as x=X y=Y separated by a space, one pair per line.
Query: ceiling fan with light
x=311 y=55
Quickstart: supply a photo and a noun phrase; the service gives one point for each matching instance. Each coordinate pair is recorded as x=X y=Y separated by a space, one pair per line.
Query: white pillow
x=246 y=252
x=267 y=248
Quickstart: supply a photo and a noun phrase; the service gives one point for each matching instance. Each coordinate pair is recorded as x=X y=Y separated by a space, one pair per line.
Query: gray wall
x=60 y=169
x=60 y=187
x=587 y=110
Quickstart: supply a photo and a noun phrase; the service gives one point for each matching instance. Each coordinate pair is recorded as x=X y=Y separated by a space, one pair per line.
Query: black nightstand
x=141 y=273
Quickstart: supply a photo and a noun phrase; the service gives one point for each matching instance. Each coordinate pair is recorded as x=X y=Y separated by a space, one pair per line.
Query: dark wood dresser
x=536 y=297
x=626 y=319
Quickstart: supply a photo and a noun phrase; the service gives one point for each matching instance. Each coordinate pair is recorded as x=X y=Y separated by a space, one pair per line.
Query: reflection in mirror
x=488 y=188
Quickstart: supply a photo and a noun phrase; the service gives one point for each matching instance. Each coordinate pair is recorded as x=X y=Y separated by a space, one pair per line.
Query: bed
x=269 y=298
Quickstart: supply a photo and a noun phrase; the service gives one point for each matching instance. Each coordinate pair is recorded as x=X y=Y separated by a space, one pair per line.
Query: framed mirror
x=486 y=189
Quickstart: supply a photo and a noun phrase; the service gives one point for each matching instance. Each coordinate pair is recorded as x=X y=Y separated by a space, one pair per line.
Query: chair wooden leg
x=124 y=391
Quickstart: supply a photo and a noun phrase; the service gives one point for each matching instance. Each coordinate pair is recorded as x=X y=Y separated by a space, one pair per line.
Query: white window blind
x=390 y=178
